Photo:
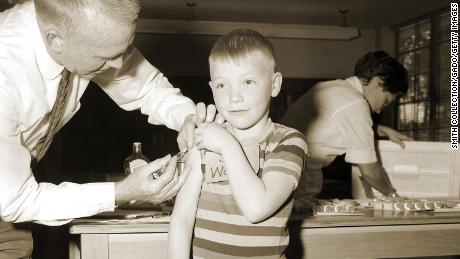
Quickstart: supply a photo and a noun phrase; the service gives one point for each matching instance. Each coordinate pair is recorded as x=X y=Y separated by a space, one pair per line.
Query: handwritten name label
x=214 y=168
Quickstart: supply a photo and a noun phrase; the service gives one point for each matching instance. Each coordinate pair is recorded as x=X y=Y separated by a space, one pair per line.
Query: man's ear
x=376 y=83
x=381 y=82
x=364 y=81
x=54 y=41
x=276 y=83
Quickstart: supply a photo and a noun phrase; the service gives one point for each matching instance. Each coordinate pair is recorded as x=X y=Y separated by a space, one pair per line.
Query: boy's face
x=242 y=88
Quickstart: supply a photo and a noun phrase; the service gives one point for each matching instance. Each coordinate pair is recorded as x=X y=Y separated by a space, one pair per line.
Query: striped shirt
x=221 y=230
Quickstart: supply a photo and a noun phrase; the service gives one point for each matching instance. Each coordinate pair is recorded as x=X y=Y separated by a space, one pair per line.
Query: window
x=423 y=48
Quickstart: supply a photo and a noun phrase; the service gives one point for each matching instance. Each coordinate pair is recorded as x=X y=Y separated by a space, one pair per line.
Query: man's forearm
x=375 y=175
x=51 y=204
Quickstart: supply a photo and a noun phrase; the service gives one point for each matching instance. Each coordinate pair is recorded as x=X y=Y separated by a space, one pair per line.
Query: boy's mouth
x=238 y=110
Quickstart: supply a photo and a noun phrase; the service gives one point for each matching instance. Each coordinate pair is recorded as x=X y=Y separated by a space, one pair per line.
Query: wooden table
x=375 y=234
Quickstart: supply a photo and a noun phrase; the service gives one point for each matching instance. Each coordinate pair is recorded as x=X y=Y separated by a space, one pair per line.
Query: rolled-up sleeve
x=139 y=85
x=21 y=197
x=355 y=125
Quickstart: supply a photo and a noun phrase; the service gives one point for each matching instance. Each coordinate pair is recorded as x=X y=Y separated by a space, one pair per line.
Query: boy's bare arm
x=185 y=207
x=257 y=198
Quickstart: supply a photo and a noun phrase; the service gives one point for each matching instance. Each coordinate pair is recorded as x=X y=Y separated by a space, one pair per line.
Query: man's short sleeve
x=355 y=124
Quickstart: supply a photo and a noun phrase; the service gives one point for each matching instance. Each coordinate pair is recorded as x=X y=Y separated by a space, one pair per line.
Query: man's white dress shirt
x=28 y=86
x=336 y=119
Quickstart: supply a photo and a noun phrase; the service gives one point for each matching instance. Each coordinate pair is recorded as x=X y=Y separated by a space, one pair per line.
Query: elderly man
x=49 y=51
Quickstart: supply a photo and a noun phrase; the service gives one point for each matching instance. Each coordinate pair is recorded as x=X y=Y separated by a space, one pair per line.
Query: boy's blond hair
x=240 y=43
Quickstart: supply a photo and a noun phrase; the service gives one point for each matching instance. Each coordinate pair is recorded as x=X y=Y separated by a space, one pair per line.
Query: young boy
x=241 y=211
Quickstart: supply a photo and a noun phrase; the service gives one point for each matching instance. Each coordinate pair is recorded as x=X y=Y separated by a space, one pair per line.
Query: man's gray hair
x=69 y=13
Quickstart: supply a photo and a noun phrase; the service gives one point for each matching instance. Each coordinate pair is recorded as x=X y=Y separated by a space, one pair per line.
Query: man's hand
x=204 y=114
x=141 y=185
x=393 y=135
x=185 y=136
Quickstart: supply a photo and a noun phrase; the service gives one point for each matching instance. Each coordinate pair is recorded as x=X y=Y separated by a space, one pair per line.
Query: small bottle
x=135 y=160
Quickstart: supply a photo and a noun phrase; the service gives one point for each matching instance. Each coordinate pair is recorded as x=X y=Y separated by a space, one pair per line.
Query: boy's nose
x=235 y=96
x=236 y=99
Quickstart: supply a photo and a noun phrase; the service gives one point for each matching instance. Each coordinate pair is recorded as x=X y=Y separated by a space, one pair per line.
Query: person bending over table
x=335 y=117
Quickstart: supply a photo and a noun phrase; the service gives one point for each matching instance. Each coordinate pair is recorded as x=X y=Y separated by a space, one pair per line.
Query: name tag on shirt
x=214 y=168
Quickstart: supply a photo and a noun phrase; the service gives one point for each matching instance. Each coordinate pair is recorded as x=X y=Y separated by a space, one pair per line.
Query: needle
x=180 y=164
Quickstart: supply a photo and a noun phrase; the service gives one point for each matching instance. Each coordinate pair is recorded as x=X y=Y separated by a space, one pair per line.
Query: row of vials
x=412 y=205
x=392 y=204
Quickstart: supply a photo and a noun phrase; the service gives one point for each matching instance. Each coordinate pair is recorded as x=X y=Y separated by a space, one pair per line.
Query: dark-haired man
x=335 y=116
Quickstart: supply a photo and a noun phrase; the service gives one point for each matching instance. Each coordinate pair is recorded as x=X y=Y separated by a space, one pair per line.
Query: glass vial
x=135 y=160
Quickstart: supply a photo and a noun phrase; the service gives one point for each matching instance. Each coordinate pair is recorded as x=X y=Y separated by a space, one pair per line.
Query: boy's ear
x=210 y=84
x=54 y=41
x=276 y=83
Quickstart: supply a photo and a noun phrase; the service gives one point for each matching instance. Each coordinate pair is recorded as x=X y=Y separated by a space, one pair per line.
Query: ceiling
x=361 y=13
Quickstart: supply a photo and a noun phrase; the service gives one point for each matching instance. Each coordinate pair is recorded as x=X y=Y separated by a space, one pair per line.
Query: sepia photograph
x=298 y=129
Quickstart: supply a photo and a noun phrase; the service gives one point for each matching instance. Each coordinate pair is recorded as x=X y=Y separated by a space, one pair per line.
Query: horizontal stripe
x=217 y=188
x=236 y=250
x=276 y=136
x=285 y=171
x=278 y=140
x=283 y=163
x=227 y=205
x=288 y=150
x=200 y=253
x=219 y=218
x=293 y=141
x=240 y=230
x=295 y=164
x=213 y=193
x=240 y=240
x=271 y=146
x=221 y=205
x=238 y=219
x=293 y=135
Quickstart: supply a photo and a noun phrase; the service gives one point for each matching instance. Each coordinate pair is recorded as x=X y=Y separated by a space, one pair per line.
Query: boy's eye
x=218 y=85
x=249 y=82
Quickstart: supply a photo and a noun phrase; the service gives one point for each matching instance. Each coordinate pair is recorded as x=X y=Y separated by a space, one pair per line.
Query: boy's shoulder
x=285 y=130
x=282 y=133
